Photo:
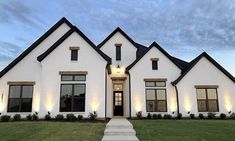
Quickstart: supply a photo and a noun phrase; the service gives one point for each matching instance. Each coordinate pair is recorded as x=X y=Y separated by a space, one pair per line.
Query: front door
x=118 y=103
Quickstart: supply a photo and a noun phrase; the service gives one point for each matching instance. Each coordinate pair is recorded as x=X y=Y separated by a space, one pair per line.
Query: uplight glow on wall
x=36 y=101
x=187 y=103
x=95 y=103
x=137 y=103
x=49 y=104
x=1 y=103
x=227 y=102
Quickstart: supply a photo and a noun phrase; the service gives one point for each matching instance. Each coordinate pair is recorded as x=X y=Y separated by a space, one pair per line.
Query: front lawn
x=51 y=131
x=185 y=130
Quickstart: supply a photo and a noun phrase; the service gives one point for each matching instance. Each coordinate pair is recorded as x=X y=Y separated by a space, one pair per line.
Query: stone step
x=120 y=138
x=119 y=132
x=119 y=126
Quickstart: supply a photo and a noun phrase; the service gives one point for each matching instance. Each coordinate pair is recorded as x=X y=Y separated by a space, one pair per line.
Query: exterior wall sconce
x=118 y=69
x=188 y=112
x=230 y=112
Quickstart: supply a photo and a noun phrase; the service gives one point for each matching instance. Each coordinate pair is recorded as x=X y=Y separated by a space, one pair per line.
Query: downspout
x=105 y=93
x=129 y=94
x=177 y=98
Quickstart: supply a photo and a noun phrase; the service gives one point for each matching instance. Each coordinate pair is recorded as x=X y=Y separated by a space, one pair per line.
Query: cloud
x=9 y=51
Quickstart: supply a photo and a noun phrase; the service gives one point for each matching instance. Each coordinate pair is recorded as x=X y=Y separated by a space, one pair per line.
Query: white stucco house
x=64 y=72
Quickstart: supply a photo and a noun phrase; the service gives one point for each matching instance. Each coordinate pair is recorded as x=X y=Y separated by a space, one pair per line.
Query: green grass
x=185 y=130
x=51 y=131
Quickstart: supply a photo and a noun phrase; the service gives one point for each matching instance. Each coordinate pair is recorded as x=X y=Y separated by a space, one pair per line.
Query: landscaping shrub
x=192 y=116
x=211 y=115
x=179 y=116
x=232 y=116
x=139 y=115
x=93 y=116
x=48 y=116
x=154 y=116
x=222 y=116
x=35 y=116
x=59 y=117
x=149 y=116
x=17 y=117
x=159 y=116
x=201 y=116
x=71 y=117
x=167 y=116
x=5 y=118
x=80 y=117
x=29 y=117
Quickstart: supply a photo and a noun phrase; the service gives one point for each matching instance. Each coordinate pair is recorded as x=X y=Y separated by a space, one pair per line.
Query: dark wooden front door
x=118 y=103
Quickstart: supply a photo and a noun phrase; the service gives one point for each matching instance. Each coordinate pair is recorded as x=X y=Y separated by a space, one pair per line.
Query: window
x=74 y=55
x=72 y=98
x=118 y=53
x=207 y=100
x=73 y=77
x=154 y=65
x=20 y=98
x=156 y=97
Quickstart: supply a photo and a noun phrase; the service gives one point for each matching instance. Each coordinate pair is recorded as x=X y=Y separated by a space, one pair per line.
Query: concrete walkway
x=119 y=129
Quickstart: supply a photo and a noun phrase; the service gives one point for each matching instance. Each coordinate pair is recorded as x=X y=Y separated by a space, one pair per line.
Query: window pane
x=118 y=53
x=79 y=98
x=150 y=94
x=26 y=105
x=150 y=106
x=201 y=106
x=13 y=105
x=201 y=94
x=66 y=98
x=150 y=84
x=27 y=91
x=80 y=77
x=212 y=105
x=211 y=93
x=67 y=78
x=160 y=84
x=161 y=106
x=161 y=95
x=14 y=92
x=74 y=55
x=154 y=65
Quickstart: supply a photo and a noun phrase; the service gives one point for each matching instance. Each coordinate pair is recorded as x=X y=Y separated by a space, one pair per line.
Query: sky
x=184 y=28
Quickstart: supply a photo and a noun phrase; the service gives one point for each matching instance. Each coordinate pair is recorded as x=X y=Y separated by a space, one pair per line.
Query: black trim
x=64 y=37
x=34 y=45
x=196 y=60
x=177 y=100
x=105 y=115
x=154 y=44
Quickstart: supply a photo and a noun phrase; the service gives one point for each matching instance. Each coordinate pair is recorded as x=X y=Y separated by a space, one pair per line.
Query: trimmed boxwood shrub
x=179 y=116
x=93 y=116
x=201 y=116
x=59 y=117
x=5 y=118
x=17 y=117
x=232 y=116
x=48 y=116
x=159 y=116
x=29 y=117
x=192 y=116
x=154 y=116
x=80 y=117
x=222 y=116
x=71 y=117
x=35 y=116
x=211 y=115
x=167 y=116
x=149 y=116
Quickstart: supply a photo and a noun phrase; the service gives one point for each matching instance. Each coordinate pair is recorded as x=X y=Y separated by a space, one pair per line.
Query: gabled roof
x=118 y=29
x=154 y=44
x=34 y=45
x=64 y=37
x=196 y=60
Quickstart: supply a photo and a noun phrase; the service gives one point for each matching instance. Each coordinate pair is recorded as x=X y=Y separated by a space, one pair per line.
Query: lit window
x=207 y=100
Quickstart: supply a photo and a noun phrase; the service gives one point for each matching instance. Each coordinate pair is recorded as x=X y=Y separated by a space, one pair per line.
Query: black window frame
x=156 y=100
x=72 y=101
x=207 y=100
x=20 y=99
x=74 y=54
x=73 y=77
x=118 y=53
x=154 y=64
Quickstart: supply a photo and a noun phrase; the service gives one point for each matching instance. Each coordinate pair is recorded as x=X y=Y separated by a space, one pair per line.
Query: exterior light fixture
x=173 y=112
x=49 y=113
x=36 y=113
x=188 y=112
x=0 y=113
x=230 y=112
x=118 y=69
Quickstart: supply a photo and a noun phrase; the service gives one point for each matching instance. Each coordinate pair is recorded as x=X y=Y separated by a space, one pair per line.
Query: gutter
x=129 y=94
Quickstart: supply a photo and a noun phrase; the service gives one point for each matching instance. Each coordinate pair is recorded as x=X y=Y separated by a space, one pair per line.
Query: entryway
x=118 y=103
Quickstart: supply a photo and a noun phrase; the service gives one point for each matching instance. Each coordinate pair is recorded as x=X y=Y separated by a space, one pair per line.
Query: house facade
x=65 y=72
